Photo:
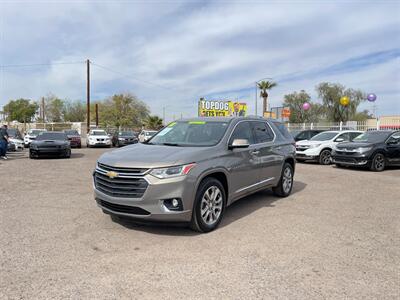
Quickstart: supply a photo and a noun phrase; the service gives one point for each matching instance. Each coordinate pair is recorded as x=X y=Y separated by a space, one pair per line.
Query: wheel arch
x=221 y=175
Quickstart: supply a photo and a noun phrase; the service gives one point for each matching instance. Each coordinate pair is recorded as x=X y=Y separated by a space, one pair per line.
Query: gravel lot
x=337 y=236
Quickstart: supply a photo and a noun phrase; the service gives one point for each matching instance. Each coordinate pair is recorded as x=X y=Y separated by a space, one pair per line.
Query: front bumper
x=125 y=142
x=150 y=206
x=48 y=151
x=309 y=154
x=99 y=143
x=350 y=160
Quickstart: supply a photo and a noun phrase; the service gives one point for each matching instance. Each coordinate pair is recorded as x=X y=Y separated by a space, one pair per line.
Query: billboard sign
x=221 y=108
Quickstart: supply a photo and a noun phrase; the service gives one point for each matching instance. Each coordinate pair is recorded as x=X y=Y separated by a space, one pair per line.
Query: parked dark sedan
x=74 y=138
x=122 y=138
x=373 y=149
x=305 y=134
x=50 y=143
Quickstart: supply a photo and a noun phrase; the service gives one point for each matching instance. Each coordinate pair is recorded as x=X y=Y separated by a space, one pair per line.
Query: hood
x=308 y=143
x=127 y=137
x=153 y=156
x=99 y=136
x=15 y=140
x=49 y=143
x=354 y=145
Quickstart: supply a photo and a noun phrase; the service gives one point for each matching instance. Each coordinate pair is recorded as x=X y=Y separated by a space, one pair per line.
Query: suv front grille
x=124 y=187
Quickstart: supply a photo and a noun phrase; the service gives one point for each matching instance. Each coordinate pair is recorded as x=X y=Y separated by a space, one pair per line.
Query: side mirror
x=392 y=142
x=239 y=143
x=339 y=140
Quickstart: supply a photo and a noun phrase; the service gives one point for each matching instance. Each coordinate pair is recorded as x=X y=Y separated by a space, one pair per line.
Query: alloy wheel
x=379 y=162
x=211 y=205
x=326 y=157
x=287 y=180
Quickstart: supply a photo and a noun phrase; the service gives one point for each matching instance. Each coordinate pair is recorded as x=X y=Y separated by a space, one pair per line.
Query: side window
x=353 y=135
x=262 y=132
x=303 y=136
x=345 y=136
x=242 y=131
x=282 y=129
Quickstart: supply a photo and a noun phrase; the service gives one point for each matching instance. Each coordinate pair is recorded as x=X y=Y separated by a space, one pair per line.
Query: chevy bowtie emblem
x=112 y=174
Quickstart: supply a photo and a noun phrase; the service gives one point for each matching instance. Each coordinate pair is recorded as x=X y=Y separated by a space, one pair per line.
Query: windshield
x=126 y=133
x=324 y=136
x=11 y=132
x=372 y=137
x=99 y=132
x=71 y=132
x=35 y=132
x=53 y=136
x=191 y=134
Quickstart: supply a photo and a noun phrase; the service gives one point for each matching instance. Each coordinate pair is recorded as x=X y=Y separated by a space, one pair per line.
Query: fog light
x=174 y=204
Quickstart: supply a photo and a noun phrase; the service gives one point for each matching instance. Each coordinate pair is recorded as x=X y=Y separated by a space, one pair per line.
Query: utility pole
x=256 y=99
x=97 y=115
x=88 y=95
x=163 y=115
x=43 y=114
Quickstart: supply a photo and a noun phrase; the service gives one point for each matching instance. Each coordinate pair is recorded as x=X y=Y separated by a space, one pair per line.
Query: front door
x=393 y=148
x=242 y=163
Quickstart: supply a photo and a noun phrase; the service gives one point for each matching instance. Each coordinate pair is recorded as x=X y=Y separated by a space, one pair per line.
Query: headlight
x=314 y=146
x=33 y=146
x=363 y=149
x=121 y=139
x=172 y=171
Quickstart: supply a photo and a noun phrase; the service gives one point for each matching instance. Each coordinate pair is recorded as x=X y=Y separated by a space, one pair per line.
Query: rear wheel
x=285 y=185
x=67 y=153
x=209 y=205
x=325 y=157
x=378 y=163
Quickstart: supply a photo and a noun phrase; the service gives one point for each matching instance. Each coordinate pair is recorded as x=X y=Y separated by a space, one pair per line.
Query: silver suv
x=194 y=168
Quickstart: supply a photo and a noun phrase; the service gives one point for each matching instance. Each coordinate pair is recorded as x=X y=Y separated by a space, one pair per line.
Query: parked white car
x=320 y=146
x=146 y=135
x=98 y=137
x=31 y=136
x=15 y=138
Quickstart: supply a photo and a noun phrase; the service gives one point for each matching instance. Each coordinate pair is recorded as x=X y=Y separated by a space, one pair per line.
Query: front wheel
x=325 y=157
x=209 y=205
x=285 y=185
x=378 y=163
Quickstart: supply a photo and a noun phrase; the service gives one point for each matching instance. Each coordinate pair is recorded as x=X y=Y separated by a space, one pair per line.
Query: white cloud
x=196 y=48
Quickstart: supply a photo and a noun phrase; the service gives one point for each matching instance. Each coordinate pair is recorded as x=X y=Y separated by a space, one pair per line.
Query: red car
x=74 y=138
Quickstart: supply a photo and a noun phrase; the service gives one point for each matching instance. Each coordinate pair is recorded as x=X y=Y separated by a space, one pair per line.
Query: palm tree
x=264 y=86
x=154 y=122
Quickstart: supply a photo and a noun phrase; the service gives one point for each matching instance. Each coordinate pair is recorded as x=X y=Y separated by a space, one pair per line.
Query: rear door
x=243 y=163
x=268 y=153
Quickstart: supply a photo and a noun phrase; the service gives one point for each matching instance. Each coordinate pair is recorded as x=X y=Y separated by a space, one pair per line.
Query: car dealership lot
x=336 y=236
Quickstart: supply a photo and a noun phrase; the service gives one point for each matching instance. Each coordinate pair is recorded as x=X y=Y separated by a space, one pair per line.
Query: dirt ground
x=337 y=236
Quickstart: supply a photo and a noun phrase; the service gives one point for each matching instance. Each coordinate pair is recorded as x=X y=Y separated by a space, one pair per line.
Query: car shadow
x=249 y=204
x=239 y=209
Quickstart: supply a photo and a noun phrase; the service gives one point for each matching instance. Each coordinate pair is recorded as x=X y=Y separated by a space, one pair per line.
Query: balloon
x=344 y=101
x=371 y=97
x=306 y=106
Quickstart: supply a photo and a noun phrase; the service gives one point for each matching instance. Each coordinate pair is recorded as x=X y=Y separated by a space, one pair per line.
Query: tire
x=32 y=156
x=325 y=157
x=213 y=207
x=68 y=154
x=79 y=146
x=378 y=163
x=285 y=185
x=339 y=166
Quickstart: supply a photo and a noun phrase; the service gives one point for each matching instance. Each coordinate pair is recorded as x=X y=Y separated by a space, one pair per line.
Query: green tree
x=330 y=93
x=121 y=110
x=362 y=116
x=21 y=110
x=75 y=111
x=265 y=86
x=54 y=108
x=295 y=102
x=154 y=122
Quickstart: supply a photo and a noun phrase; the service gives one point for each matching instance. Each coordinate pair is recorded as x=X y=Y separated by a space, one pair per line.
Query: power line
x=132 y=77
x=42 y=64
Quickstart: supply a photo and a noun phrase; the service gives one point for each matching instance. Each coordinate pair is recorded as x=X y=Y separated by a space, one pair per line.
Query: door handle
x=254 y=152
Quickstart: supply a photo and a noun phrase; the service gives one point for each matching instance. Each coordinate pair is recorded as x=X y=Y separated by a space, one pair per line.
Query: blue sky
x=191 y=49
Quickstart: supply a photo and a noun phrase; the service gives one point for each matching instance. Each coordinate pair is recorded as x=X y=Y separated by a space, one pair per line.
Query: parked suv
x=305 y=134
x=320 y=146
x=373 y=149
x=194 y=168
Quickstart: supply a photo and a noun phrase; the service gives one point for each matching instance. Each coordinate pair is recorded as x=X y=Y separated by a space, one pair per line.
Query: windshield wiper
x=171 y=144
